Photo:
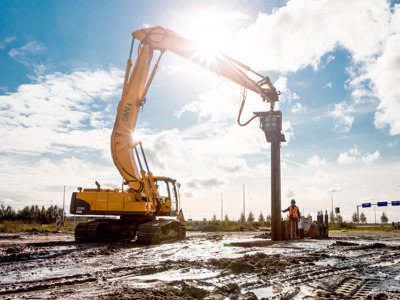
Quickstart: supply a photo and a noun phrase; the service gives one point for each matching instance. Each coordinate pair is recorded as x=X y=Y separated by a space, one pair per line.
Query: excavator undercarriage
x=149 y=231
x=158 y=231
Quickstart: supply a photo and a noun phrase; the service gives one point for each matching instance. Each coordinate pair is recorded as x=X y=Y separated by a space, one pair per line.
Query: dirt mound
x=342 y=244
x=208 y=228
x=265 y=235
x=261 y=263
x=140 y=294
x=373 y=246
x=191 y=289
x=13 y=250
x=10 y=236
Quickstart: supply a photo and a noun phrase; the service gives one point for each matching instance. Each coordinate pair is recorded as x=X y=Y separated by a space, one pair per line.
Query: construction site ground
x=204 y=266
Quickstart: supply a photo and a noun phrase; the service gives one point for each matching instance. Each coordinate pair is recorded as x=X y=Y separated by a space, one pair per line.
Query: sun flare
x=213 y=29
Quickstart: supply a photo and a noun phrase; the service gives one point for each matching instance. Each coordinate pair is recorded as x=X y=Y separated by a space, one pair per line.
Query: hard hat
x=293 y=201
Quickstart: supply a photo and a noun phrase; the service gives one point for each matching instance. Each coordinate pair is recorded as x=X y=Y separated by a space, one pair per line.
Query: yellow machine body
x=116 y=202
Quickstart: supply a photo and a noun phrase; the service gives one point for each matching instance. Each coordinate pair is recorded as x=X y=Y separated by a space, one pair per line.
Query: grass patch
x=226 y=226
x=20 y=226
x=352 y=227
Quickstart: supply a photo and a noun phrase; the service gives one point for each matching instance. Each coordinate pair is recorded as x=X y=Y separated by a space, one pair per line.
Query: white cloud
x=370 y=158
x=316 y=162
x=286 y=94
x=335 y=190
x=342 y=116
x=329 y=59
x=58 y=111
x=298 y=108
x=290 y=191
x=392 y=144
x=212 y=149
x=354 y=155
x=5 y=42
x=9 y=39
x=288 y=131
x=222 y=104
x=216 y=105
x=24 y=53
x=385 y=78
x=300 y=33
x=345 y=158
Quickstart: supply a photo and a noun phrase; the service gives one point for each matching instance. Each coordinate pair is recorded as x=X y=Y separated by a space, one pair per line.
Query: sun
x=212 y=29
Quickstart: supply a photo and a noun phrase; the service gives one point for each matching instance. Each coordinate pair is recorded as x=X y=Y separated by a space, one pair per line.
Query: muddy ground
x=204 y=266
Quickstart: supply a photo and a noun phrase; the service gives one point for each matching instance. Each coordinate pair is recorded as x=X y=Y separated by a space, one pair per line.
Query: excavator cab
x=168 y=189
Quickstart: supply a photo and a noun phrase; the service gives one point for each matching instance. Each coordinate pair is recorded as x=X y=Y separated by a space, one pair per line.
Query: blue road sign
x=364 y=205
x=395 y=203
x=382 y=203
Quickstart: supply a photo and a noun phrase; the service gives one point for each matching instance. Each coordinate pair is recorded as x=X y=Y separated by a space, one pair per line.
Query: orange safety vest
x=293 y=213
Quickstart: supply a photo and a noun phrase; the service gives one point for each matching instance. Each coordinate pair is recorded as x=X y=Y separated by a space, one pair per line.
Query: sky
x=336 y=64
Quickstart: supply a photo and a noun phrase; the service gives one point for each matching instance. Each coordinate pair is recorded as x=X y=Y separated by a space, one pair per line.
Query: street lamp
x=222 y=207
x=63 y=221
x=244 y=203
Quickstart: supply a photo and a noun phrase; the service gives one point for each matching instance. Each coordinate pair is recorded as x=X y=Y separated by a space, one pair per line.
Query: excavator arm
x=137 y=82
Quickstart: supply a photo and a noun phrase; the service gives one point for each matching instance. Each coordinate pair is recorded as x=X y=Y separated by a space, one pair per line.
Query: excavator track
x=158 y=231
x=108 y=230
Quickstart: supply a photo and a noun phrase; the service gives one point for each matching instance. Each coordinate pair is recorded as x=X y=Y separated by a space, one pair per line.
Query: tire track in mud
x=32 y=267
x=34 y=251
x=333 y=269
x=334 y=276
x=356 y=275
x=46 y=284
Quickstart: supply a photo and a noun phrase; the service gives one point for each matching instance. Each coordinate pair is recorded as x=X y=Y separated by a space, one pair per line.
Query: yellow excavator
x=148 y=207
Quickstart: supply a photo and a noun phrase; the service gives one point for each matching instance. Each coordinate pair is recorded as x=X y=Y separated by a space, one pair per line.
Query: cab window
x=163 y=191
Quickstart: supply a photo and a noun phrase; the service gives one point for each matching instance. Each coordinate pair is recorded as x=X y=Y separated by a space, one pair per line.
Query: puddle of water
x=327 y=261
x=270 y=291
x=385 y=264
x=276 y=290
x=169 y=276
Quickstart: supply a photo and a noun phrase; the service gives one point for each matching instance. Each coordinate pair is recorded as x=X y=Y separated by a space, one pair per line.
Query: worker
x=294 y=218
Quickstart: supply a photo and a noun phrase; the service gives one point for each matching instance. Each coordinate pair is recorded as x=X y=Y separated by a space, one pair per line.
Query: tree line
x=250 y=218
x=31 y=214
x=333 y=219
